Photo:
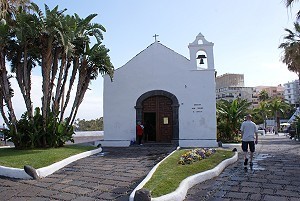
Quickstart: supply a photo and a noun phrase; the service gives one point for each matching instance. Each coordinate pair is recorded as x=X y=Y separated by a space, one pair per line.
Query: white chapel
x=174 y=97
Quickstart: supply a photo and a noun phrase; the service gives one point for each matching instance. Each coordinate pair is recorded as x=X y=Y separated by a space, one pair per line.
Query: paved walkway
x=109 y=176
x=113 y=176
x=275 y=175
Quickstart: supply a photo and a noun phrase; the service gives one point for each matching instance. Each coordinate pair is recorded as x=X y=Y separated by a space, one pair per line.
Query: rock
x=31 y=171
x=142 y=195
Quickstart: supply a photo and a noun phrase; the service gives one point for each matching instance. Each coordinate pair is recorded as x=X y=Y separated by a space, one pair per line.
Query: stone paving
x=111 y=175
x=275 y=175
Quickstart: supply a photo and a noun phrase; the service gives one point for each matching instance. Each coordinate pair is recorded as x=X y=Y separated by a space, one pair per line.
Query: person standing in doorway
x=248 y=130
x=140 y=132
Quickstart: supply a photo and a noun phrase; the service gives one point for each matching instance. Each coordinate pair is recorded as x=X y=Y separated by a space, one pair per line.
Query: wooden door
x=162 y=107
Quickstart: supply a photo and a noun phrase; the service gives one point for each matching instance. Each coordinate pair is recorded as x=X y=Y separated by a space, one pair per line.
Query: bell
x=201 y=57
x=201 y=61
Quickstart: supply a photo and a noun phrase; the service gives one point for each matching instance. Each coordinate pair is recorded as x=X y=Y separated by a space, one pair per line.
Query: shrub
x=30 y=133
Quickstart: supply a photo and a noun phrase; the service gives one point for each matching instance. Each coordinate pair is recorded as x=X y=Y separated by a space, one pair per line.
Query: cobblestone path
x=109 y=176
x=275 y=175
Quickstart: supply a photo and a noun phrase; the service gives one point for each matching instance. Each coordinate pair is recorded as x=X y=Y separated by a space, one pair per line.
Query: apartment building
x=291 y=92
x=231 y=86
x=273 y=91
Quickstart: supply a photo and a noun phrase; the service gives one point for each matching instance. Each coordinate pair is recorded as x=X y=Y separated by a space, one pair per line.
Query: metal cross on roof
x=155 y=36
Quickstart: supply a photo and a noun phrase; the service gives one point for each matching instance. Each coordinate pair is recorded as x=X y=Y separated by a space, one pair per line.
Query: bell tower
x=201 y=53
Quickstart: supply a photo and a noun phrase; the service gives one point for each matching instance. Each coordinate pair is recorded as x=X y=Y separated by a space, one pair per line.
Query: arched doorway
x=158 y=110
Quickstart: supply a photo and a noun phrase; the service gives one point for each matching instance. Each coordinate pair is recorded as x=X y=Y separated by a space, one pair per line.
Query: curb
x=148 y=177
x=180 y=193
x=45 y=171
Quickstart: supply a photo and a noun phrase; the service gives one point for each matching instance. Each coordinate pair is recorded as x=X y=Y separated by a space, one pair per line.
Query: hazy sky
x=246 y=35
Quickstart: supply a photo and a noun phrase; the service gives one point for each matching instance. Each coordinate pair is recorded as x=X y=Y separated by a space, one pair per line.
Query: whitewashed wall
x=160 y=68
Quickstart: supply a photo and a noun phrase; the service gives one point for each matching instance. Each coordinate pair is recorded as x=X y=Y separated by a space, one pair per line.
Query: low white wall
x=88 y=133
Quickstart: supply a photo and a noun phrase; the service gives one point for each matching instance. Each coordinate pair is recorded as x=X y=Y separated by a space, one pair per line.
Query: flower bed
x=195 y=155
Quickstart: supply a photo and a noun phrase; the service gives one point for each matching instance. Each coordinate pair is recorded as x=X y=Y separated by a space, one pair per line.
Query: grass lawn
x=169 y=174
x=38 y=158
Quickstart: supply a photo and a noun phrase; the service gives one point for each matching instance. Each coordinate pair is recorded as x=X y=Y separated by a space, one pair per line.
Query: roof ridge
x=147 y=48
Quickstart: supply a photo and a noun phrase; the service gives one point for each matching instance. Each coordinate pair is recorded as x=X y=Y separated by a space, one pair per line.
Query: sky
x=246 y=35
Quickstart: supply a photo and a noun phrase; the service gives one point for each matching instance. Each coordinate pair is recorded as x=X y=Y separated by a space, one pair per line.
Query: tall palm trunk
x=4 y=83
x=265 y=122
x=72 y=79
x=81 y=80
x=23 y=79
x=2 y=108
x=59 y=88
x=83 y=89
x=276 y=122
x=46 y=69
x=53 y=76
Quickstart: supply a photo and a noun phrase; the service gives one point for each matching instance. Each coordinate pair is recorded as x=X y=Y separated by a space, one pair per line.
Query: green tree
x=8 y=11
x=263 y=95
x=277 y=107
x=289 y=3
x=229 y=117
x=262 y=111
x=60 y=45
x=90 y=125
x=291 y=49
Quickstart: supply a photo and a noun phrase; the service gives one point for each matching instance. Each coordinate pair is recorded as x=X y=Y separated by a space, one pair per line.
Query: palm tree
x=61 y=45
x=23 y=54
x=230 y=115
x=289 y=3
x=97 y=62
x=263 y=111
x=277 y=107
x=291 y=48
x=263 y=95
x=8 y=11
x=10 y=7
x=80 y=39
x=50 y=34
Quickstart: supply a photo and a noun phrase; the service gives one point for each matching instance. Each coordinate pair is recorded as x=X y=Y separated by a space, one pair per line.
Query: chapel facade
x=173 y=97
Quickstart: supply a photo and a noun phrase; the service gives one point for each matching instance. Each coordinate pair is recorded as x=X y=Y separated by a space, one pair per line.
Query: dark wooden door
x=162 y=107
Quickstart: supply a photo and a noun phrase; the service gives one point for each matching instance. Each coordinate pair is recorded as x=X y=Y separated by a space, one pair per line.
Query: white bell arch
x=200 y=44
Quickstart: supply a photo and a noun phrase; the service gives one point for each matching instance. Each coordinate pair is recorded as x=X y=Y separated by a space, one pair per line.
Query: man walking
x=248 y=130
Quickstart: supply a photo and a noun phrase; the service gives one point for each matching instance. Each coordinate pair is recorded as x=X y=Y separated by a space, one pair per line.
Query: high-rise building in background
x=292 y=93
x=230 y=80
x=230 y=86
